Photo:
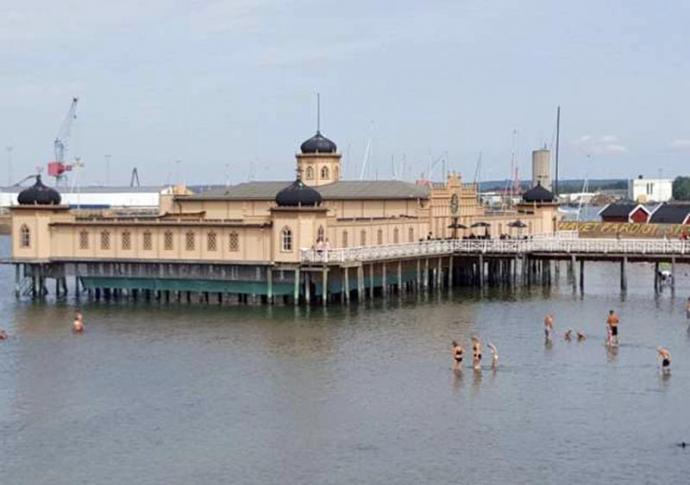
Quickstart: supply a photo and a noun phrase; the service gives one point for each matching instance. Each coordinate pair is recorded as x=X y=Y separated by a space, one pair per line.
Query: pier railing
x=541 y=245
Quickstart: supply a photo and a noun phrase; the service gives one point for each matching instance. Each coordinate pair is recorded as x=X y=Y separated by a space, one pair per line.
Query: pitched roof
x=619 y=209
x=343 y=190
x=670 y=214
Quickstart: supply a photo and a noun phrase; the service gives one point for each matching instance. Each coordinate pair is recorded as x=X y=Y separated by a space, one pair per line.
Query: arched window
x=148 y=241
x=410 y=234
x=24 y=236
x=234 y=242
x=320 y=234
x=344 y=242
x=286 y=239
x=309 y=174
x=83 y=240
x=211 y=241
x=396 y=236
x=105 y=240
x=324 y=172
x=379 y=237
x=363 y=238
x=168 y=241
x=189 y=241
x=126 y=240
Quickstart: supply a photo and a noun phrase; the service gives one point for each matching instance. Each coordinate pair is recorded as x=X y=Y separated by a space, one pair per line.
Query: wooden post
x=400 y=281
x=481 y=270
x=360 y=283
x=296 y=288
x=673 y=276
x=384 y=284
x=572 y=272
x=307 y=288
x=624 y=279
x=346 y=283
x=419 y=275
x=582 y=275
x=450 y=272
x=426 y=274
x=656 y=277
x=269 y=285
x=324 y=283
x=371 y=281
x=439 y=273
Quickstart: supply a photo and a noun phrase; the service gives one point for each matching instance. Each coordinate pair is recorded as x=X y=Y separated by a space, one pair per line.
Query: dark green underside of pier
x=171 y=284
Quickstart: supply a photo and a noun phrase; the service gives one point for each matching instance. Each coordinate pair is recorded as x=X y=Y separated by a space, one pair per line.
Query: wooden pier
x=345 y=275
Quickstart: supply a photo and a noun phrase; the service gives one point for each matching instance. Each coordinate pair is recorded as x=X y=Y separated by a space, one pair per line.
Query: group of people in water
x=459 y=353
x=612 y=321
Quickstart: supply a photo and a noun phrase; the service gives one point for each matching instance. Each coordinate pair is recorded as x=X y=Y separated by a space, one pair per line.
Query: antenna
x=318 y=112
x=558 y=136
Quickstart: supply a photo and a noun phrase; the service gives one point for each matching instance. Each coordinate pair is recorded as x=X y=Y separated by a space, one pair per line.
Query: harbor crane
x=58 y=168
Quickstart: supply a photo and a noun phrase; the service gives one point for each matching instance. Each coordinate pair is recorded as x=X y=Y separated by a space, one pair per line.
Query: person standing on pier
x=548 y=326
x=612 y=325
x=665 y=357
x=458 y=353
x=476 y=353
x=78 y=324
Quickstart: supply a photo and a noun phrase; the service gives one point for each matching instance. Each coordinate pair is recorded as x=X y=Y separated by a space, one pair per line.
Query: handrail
x=554 y=245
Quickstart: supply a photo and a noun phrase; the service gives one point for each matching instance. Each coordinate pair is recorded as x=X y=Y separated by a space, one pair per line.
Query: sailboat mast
x=558 y=136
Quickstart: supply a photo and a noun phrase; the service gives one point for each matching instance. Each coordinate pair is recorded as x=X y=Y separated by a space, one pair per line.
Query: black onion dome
x=39 y=194
x=538 y=194
x=298 y=195
x=318 y=144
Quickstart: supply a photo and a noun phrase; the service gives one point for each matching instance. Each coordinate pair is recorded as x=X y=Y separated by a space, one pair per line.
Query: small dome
x=318 y=144
x=39 y=194
x=298 y=195
x=538 y=194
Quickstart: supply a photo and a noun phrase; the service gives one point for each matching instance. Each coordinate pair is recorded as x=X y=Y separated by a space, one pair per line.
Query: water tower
x=541 y=168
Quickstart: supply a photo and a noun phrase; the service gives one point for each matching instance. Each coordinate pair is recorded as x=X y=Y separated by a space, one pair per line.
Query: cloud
x=600 y=145
x=680 y=144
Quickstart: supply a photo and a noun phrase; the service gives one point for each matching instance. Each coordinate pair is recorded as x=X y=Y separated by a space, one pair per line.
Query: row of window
x=168 y=241
x=309 y=173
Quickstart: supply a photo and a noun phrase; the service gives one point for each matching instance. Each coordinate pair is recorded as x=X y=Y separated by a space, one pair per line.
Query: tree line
x=681 y=188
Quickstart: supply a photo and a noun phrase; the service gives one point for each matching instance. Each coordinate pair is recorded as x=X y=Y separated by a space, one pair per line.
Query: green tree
x=681 y=188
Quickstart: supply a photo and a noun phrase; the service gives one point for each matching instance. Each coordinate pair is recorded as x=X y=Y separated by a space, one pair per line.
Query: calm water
x=207 y=394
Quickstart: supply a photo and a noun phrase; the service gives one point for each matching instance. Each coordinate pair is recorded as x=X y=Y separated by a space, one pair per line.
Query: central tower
x=319 y=160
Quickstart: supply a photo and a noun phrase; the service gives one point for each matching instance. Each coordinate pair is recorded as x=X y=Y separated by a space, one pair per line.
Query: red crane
x=58 y=167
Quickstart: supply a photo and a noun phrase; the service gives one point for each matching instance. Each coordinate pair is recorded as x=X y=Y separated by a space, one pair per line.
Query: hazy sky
x=229 y=86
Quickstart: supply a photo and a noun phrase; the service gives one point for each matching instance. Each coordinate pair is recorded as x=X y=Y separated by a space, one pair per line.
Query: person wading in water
x=612 y=326
x=458 y=353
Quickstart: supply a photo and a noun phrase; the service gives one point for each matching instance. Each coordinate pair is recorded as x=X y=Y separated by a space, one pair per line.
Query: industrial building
x=644 y=190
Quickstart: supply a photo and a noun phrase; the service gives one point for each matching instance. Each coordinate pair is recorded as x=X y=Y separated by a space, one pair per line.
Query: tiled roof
x=348 y=189
x=670 y=214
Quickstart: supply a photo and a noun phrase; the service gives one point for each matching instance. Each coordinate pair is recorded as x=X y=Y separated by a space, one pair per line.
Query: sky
x=223 y=91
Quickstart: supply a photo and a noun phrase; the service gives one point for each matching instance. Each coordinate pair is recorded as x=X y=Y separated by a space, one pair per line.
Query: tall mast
x=318 y=112
x=558 y=136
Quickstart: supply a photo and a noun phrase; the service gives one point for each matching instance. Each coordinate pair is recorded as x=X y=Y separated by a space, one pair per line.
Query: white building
x=645 y=190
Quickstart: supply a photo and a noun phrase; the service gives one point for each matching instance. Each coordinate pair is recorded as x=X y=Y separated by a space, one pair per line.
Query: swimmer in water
x=476 y=353
x=458 y=353
x=665 y=357
x=612 y=325
x=568 y=334
x=548 y=326
x=581 y=336
x=3 y=334
x=78 y=324
x=494 y=355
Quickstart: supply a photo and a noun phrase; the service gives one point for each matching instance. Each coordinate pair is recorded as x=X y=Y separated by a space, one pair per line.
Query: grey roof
x=347 y=189
x=618 y=209
x=670 y=214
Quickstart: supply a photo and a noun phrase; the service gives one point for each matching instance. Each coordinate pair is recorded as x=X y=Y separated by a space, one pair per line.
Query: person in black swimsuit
x=458 y=353
x=665 y=357
x=476 y=353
